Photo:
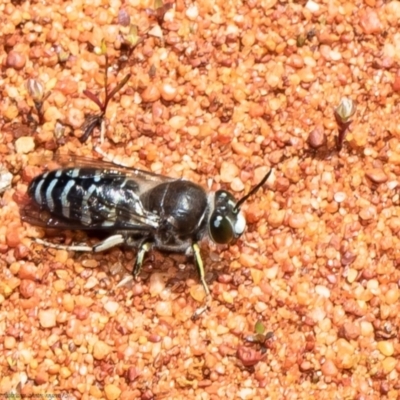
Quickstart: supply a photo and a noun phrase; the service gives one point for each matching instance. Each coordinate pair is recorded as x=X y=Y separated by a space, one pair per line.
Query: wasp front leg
x=200 y=268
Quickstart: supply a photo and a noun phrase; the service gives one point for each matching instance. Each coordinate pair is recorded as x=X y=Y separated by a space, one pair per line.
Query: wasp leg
x=111 y=241
x=200 y=268
x=144 y=247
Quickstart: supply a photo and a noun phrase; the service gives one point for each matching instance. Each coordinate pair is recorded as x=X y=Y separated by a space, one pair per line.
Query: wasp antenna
x=252 y=191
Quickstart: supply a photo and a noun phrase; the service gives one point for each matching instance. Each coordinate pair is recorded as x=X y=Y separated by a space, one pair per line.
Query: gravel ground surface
x=306 y=304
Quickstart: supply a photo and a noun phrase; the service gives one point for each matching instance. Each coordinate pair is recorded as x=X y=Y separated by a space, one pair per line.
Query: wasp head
x=227 y=222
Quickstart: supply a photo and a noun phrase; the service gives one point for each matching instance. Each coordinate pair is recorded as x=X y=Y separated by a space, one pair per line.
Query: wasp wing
x=114 y=203
x=101 y=214
x=34 y=215
x=109 y=169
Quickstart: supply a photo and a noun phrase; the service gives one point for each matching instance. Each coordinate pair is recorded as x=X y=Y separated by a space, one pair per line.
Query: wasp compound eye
x=221 y=229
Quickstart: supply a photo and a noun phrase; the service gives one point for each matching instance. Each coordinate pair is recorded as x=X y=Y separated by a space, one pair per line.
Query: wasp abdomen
x=85 y=195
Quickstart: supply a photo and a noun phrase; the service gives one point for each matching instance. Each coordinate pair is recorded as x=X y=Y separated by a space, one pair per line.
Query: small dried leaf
x=59 y=130
x=152 y=71
x=251 y=339
x=259 y=338
x=269 y=335
x=91 y=122
x=301 y=40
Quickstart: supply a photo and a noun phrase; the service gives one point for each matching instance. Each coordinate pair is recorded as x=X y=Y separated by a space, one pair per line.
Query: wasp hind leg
x=200 y=268
x=108 y=243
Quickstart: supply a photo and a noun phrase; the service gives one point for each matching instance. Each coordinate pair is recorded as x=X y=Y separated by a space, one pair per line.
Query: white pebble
x=156 y=31
x=237 y=185
x=335 y=55
x=323 y=291
x=164 y=309
x=5 y=180
x=260 y=306
x=24 y=145
x=232 y=30
x=177 y=122
x=111 y=307
x=272 y=273
x=351 y=275
x=339 y=197
x=91 y=282
x=228 y=171
x=169 y=15
x=327 y=178
x=392 y=184
x=192 y=12
x=317 y=314
x=157 y=283
x=246 y=393
x=47 y=318
x=312 y=6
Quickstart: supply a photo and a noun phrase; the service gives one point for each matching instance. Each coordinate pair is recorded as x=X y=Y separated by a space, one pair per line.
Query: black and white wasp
x=139 y=209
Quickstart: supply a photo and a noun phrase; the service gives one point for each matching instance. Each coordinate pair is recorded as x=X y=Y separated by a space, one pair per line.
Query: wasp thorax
x=227 y=223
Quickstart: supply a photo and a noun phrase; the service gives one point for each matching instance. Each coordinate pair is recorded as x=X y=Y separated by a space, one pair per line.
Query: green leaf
x=259 y=328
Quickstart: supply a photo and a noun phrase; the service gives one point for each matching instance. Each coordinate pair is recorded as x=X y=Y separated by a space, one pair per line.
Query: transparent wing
x=109 y=169
x=105 y=214
x=32 y=214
